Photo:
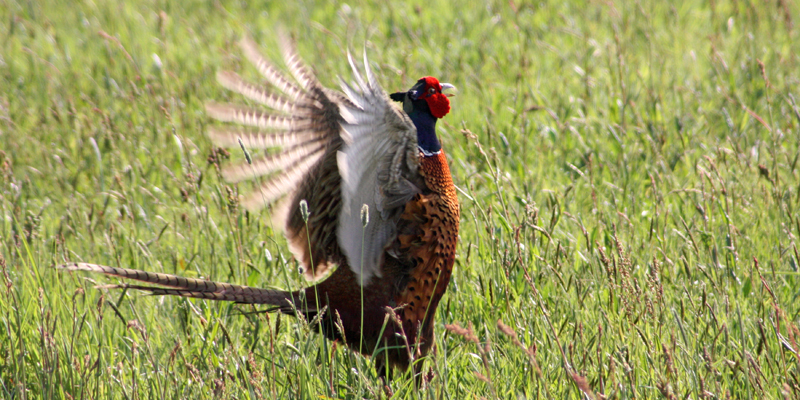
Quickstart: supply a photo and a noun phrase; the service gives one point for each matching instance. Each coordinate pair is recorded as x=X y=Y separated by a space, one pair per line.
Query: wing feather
x=252 y=117
x=277 y=187
x=272 y=74
x=231 y=137
x=302 y=124
x=276 y=162
x=338 y=152
x=378 y=166
x=232 y=81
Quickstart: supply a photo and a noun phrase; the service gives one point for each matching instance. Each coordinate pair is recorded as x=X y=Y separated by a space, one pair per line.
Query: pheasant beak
x=446 y=86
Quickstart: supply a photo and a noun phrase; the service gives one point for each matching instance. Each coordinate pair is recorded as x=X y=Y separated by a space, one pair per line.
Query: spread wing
x=378 y=168
x=338 y=152
x=304 y=123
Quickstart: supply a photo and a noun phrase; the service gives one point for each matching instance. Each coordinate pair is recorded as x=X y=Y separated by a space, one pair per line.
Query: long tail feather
x=174 y=285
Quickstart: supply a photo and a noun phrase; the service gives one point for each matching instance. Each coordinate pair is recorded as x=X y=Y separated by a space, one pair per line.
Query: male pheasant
x=365 y=189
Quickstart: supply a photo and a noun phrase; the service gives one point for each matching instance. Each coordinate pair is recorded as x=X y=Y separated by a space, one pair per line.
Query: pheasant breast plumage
x=378 y=204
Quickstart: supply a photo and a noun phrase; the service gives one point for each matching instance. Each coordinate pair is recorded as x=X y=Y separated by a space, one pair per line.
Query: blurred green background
x=629 y=191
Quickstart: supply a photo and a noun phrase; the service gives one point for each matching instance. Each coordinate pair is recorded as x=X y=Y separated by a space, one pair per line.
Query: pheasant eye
x=432 y=90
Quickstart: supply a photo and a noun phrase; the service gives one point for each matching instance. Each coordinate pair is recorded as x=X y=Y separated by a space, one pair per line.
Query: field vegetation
x=628 y=175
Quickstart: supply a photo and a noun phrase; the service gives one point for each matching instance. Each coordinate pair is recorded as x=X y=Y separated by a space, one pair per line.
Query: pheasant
x=363 y=191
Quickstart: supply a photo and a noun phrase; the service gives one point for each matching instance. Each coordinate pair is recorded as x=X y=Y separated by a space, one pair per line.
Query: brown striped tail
x=174 y=285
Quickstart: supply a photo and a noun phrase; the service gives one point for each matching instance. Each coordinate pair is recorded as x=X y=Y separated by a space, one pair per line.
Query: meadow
x=628 y=176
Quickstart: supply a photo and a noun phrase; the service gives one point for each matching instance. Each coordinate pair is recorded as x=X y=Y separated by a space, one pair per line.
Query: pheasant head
x=425 y=103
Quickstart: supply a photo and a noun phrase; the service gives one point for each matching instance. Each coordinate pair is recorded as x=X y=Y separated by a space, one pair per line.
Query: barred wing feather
x=302 y=121
x=338 y=152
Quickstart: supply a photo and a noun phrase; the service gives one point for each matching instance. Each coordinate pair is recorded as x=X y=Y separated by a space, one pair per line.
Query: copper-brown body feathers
x=340 y=153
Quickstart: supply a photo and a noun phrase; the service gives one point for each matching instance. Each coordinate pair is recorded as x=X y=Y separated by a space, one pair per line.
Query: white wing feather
x=381 y=152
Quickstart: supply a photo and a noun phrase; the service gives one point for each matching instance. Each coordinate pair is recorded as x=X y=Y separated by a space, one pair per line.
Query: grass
x=630 y=197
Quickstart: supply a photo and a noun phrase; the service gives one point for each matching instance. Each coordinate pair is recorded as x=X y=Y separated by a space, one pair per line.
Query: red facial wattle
x=438 y=103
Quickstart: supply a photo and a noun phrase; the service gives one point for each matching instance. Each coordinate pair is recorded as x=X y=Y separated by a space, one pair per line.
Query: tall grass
x=627 y=173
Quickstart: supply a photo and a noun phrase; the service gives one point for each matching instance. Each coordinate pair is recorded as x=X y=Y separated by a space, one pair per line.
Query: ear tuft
x=399 y=96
